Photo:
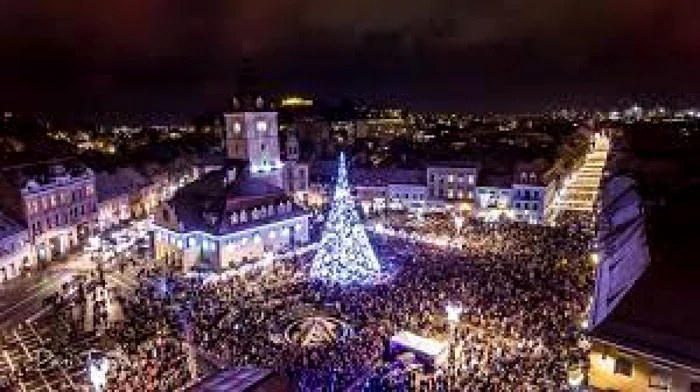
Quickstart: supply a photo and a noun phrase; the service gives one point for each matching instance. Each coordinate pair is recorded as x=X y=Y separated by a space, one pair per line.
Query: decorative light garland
x=345 y=255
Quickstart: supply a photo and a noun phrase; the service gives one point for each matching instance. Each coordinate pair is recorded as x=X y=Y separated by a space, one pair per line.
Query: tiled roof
x=121 y=182
x=207 y=204
x=43 y=173
x=657 y=314
x=9 y=227
x=325 y=171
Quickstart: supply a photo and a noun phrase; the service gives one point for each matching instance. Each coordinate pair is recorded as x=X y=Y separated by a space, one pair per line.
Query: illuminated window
x=53 y=200
x=471 y=179
x=237 y=127
x=450 y=193
x=192 y=242
x=272 y=234
x=261 y=126
x=285 y=232
x=257 y=238
x=451 y=178
x=244 y=241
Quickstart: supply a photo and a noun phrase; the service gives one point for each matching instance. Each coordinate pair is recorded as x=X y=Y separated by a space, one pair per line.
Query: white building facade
x=57 y=202
x=243 y=213
x=451 y=184
x=15 y=249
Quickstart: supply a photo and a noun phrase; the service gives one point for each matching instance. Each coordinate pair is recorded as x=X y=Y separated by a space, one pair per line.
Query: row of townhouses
x=49 y=209
x=524 y=194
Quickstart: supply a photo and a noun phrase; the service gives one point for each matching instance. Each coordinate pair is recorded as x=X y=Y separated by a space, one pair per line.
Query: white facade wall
x=15 y=253
x=234 y=249
x=61 y=214
x=452 y=184
x=253 y=136
x=407 y=196
x=493 y=203
x=529 y=203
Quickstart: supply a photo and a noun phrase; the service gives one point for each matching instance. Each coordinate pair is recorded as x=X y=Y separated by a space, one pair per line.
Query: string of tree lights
x=345 y=255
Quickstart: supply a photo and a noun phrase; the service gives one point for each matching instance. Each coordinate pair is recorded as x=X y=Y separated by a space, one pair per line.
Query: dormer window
x=261 y=126
x=234 y=218
x=242 y=218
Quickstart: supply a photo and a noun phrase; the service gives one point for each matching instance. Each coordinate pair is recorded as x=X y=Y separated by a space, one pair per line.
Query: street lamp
x=97 y=369
x=459 y=222
x=454 y=311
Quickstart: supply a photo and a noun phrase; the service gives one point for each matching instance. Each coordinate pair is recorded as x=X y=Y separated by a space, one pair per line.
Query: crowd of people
x=523 y=289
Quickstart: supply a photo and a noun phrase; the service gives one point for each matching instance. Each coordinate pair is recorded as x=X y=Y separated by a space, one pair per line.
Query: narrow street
x=580 y=190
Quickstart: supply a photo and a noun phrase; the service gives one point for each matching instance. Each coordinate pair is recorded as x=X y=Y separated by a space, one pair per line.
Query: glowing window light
x=257 y=238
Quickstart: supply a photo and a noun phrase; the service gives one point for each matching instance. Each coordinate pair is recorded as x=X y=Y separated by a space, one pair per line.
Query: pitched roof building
x=644 y=325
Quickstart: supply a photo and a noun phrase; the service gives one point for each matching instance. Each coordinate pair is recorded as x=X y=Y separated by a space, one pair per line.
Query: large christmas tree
x=345 y=255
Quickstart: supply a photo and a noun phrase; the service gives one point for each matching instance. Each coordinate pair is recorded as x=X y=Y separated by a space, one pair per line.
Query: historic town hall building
x=241 y=212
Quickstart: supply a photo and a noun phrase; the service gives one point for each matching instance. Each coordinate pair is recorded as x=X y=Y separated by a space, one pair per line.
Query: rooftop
x=325 y=171
x=494 y=180
x=9 y=227
x=655 y=314
x=44 y=173
x=207 y=204
x=454 y=164
x=120 y=182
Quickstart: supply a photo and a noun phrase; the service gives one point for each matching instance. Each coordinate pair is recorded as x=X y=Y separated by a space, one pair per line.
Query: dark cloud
x=159 y=54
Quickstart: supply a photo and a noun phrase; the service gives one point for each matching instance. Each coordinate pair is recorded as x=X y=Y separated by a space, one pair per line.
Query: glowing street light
x=453 y=312
x=97 y=370
x=459 y=222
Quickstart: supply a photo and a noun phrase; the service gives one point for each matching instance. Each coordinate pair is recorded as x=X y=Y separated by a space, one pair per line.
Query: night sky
x=182 y=56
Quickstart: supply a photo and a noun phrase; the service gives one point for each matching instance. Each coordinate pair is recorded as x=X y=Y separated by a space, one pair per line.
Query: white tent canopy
x=434 y=349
